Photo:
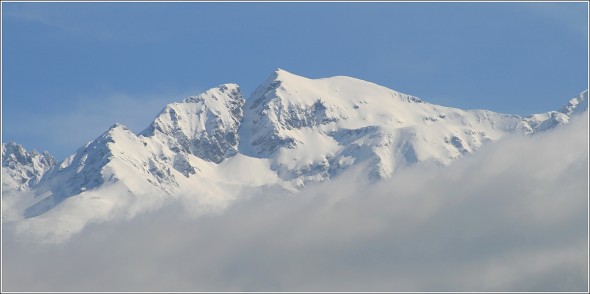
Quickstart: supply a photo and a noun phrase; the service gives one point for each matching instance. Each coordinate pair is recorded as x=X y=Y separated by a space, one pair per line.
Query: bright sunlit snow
x=333 y=179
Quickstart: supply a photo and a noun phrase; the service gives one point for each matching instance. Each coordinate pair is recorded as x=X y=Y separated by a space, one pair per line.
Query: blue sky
x=70 y=70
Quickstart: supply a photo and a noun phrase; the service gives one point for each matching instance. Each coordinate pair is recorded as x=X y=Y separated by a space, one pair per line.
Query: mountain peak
x=576 y=105
x=277 y=78
x=118 y=126
x=223 y=91
x=115 y=130
x=286 y=76
x=279 y=72
x=22 y=169
x=204 y=125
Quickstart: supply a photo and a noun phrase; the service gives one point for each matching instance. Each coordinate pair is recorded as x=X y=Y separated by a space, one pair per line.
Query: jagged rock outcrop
x=205 y=125
x=22 y=170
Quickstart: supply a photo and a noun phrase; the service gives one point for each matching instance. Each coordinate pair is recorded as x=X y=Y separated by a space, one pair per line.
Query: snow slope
x=551 y=119
x=314 y=129
x=208 y=149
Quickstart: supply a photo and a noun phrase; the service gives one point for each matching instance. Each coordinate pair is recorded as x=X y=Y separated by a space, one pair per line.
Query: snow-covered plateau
x=207 y=150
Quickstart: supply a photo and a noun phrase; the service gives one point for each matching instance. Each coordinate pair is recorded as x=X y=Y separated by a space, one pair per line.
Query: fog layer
x=511 y=217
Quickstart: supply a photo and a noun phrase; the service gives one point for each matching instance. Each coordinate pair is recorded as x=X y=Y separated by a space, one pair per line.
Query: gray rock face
x=22 y=169
x=91 y=167
x=205 y=125
x=270 y=115
x=83 y=170
x=79 y=172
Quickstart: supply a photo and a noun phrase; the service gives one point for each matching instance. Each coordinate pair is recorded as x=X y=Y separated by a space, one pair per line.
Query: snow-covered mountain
x=315 y=129
x=551 y=119
x=290 y=132
x=21 y=169
x=205 y=126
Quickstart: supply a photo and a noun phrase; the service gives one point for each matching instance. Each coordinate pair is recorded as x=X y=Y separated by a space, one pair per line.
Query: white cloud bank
x=512 y=217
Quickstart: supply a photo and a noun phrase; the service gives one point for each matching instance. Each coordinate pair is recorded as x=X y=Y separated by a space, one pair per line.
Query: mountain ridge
x=290 y=132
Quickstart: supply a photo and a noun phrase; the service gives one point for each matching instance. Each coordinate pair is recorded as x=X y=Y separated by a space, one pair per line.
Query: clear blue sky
x=70 y=70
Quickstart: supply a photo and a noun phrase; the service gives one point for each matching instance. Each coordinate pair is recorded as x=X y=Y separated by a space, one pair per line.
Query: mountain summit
x=291 y=131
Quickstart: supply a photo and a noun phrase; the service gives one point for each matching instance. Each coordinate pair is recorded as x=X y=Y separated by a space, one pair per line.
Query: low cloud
x=511 y=217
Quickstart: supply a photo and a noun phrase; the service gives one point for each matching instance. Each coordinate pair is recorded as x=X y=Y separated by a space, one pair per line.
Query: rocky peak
x=544 y=121
x=576 y=105
x=205 y=125
x=21 y=168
